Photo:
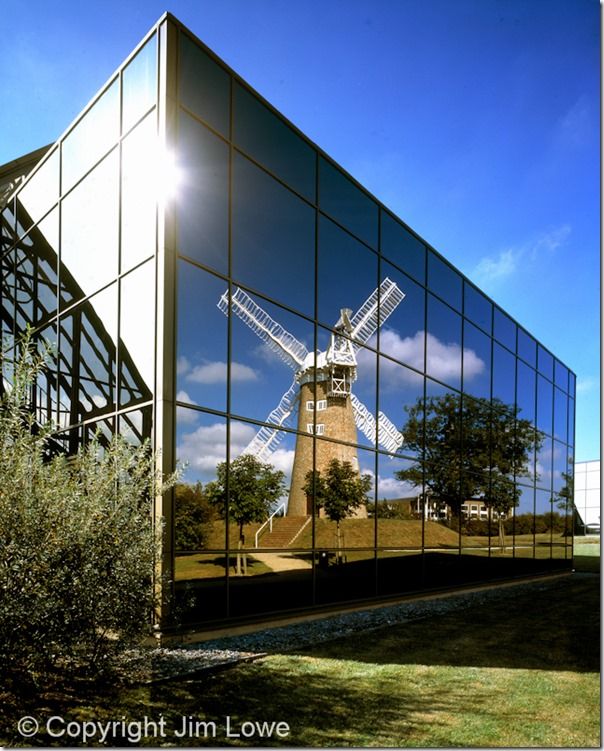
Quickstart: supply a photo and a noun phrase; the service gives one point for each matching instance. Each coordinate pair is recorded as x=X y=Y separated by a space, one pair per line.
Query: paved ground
x=282 y=561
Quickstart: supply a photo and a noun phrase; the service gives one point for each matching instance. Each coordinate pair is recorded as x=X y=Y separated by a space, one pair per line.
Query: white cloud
x=585 y=384
x=443 y=359
x=216 y=372
x=493 y=269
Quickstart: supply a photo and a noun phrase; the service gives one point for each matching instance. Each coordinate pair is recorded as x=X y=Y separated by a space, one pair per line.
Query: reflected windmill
x=322 y=386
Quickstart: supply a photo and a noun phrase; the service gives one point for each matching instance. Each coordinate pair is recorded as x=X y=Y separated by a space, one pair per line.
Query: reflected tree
x=469 y=449
x=339 y=491
x=251 y=488
x=192 y=514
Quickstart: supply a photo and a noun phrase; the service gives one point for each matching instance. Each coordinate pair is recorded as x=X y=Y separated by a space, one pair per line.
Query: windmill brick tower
x=322 y=388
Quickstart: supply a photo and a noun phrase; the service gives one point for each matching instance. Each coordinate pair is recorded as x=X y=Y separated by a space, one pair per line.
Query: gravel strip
x=164 y=663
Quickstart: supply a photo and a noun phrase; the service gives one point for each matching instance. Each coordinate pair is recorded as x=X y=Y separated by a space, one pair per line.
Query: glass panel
x=504 y=375
x=544 y=405
x=571 y=422
x=89 y=227
x=544 y=462
x=40 y=192
x=204 y=86
x=545 y=362
x=527 y=347
x=347 y=204
x=543 y=524
x=136 y=425
x=347 y=274
x=571 y=384
x=442 y=465
x=560 y=414
x=262 y=371
x=403 y=248
x=560 y=476
x=344 y=574
x=444 y=280
x=273 y=143
x=273 y=581
x=402 y=330
x=203 y=203
x=443 y=343
x=401 y=402
x=524 y=523
x=476 y=362
x=45 y=249
x=561 y=375
x=137 y=334
x=139 y=193
x=477 y=308
x=504 y=329
x=273 y=238
x=87 y=358
x=399 y=503
x=45 y=394
x=201 y=373
x=525 y=395
x=92 y=137
x=139 y=84
x=364 y=391
x=399 y=571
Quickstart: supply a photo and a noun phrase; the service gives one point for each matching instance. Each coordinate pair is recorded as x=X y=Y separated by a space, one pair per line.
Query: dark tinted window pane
x=560 y=414
x=527 y=347
x=476 y=362
x=561 y=375
x=347 y=275
x=444 y=281
x=477 y=308
x=201 y=375
x=402 y=331
x=139 y=84
x=347 y=204
x=545 y=363
x=403 y=248
x=204 y=86
x=544 y=405
x=273 y=143
x=203 y=202
x=504 y=329
x=273 y=240
x=525 y=397
x=544 y=463
x=443 y=343
x=571 y=422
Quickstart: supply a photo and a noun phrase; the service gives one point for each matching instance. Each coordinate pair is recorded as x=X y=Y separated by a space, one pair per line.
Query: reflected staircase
x=285 y=531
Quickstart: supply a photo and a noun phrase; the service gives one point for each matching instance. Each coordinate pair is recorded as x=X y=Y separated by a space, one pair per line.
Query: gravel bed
x=165 y=663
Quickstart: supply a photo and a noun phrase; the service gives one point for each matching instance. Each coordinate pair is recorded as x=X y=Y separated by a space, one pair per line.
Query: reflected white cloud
x=215 y=372
x=443 y=359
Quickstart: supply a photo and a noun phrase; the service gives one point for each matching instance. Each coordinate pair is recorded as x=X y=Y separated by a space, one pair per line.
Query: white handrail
x=269 y=521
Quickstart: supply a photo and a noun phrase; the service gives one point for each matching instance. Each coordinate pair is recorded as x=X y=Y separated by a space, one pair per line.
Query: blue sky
x=476 y=121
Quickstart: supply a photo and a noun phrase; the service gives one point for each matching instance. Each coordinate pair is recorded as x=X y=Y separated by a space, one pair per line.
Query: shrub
x=77 y=544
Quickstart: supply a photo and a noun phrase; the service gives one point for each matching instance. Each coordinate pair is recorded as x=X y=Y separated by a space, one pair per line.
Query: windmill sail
x=292 y=351
x=267 y=438
x=363 y=418
x=388 y=436
x=369 y=317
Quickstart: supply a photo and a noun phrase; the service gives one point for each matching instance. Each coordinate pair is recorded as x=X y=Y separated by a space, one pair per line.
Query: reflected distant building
x=213 y=281
x=588 y=499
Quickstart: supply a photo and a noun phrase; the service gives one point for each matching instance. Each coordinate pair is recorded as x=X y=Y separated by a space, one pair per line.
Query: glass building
x=213 y=281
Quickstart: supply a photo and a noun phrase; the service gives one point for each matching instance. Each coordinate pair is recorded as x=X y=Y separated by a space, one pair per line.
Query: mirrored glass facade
x=211 y=280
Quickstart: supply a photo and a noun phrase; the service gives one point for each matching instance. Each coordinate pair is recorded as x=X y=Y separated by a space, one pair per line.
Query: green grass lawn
x=521 y=671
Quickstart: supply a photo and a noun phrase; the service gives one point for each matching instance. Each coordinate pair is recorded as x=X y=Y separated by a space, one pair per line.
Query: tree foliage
x=192 y=514
x=251 y=487
x=339 y=491
x=77 y=543
x=469 y=449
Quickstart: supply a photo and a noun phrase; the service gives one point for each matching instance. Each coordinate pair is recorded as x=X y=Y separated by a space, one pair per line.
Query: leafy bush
x=77 y=544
